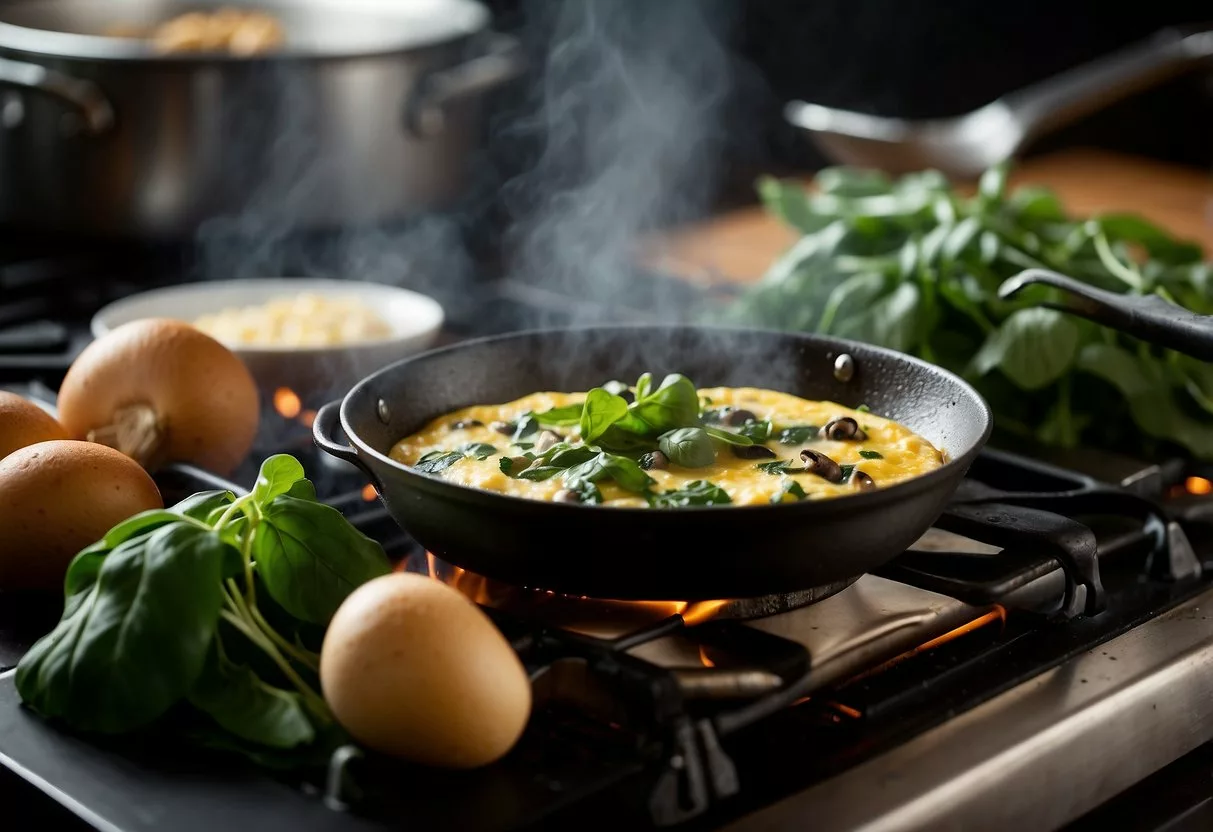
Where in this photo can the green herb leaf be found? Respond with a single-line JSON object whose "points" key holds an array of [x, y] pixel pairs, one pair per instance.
{"points": [[311, 558], [131, 644], [205, 506], [776, 466], [643, 386], [789, 488], [566, 416], [524, 427], [628, 474], [539, 473], [697, 493], [602, 409], [1033, 348], [480, 450], [757, 431], [871, 454], [797, 434], [277, 475], [688, 447], [847, 470], [728, 437], [675, 404], [586, 491], [241, 703], [436, 462]]}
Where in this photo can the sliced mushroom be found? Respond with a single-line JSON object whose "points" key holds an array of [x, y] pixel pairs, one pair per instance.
{"points": [[815, 462], [545, 440], [862, 481], [752, 452], [464, 424], [845, 429], [737, 418]]}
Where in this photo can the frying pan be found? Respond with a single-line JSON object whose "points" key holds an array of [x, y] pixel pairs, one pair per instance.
{"points": [[647, 554]]}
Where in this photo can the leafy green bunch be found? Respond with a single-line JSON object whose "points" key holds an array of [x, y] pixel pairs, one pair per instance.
{"points": [[618, 439], [213, 607], [914, 265]]}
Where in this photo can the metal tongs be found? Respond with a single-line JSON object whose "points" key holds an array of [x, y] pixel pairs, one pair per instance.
{"points": [[1147, 317], [964, 146]]}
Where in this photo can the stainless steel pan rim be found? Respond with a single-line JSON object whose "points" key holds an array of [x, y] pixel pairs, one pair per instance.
{"points": [[315, 28], [860, 499]]}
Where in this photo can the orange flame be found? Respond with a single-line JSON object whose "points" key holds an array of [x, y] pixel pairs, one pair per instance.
{"points": [[1198, 485], [703, 657], [307, 418], [287, 403], [369, 493], [997, 614]]}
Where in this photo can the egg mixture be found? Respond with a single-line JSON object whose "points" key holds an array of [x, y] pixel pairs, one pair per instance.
{"points": [[890, 453]]}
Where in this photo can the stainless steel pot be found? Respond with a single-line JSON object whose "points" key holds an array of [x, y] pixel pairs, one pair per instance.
{"points": [[369, 113]]}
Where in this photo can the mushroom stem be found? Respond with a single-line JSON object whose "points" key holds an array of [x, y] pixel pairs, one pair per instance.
{"points": [[136, 431]]}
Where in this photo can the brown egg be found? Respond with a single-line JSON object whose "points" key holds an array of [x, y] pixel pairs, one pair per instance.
{"points": [[24, 423], [57, 498], [412, 668]]}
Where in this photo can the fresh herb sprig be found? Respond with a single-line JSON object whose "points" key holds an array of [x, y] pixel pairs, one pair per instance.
{"points": [[172, 609], [914, 265]]}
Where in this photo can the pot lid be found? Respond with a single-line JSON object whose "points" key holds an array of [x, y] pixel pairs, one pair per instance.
{"points": [[312, 28]]}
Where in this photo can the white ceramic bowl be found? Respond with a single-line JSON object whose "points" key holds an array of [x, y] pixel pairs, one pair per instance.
{"points": [[312, 372]]}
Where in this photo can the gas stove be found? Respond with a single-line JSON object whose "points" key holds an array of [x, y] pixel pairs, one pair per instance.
{"points": [[1042, 650]]}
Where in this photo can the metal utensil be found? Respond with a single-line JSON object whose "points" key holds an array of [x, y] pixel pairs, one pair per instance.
{"points": [[964, 146], [1147, 317]]}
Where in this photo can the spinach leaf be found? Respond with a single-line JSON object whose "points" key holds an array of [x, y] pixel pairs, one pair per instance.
{"points": [[586, 491], [728, 437], [797, 434], [205, 506], [697, 493], [789, 488], [847, 470], [871, 454], [777, 466], [133, 642], [675, 404], [569, 455], [643, 385], [311, 558], [631, 442], [244, 705], [627, 473], [435, 462], [1033, 347], [480, 450], [539, 473], [525, 426], [566, 416], [758, 431], [688, 447], [277, 475], [602, 409]]}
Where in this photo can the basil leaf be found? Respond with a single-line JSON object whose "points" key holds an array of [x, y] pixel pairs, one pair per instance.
{"points": [[871, 454], [241, 703], [311, 558], [789, 488], [1033, 348], [697, 493], [277, 475], [437, 461], [586, 492], [480, 450], [757, 431], [729, 437], [628, 474], [602, 409], [134, 642], [643, 385], [524, 427], [205, 506], [675, 404], [797, 434], [566, 416], [778, 466], [688, 447]]}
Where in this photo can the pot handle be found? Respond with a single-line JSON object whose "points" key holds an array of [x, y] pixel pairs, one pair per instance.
{"points": [[85, 97], [1147, 317], [502, 60], [323, 431]]}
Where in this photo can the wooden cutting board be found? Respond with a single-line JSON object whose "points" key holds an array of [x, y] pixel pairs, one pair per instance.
{"points": [[739, 246]]}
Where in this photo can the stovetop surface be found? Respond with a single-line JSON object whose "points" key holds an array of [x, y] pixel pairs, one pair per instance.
{"points": [[718, 720]]}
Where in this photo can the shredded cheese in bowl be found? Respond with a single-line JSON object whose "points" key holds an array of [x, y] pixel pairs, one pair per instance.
{"points": [[304, 320]]}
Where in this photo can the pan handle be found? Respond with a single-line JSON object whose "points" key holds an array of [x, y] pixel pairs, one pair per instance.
{"points": [[503, 60], [1147, 317], [90, 103], [323, 431]]}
